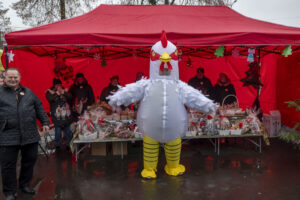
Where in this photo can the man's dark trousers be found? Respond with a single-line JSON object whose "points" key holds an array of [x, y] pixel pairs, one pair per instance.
{"points": [[9, 157]]}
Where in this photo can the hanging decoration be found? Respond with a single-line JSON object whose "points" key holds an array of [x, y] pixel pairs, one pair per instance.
{"points": [[251, 52], [180, 53], [134, 54], [235, 52], [61, 70], [287, 51], [252, 76], [189, 62], [97, 56], [220, 51], [103, 63]]}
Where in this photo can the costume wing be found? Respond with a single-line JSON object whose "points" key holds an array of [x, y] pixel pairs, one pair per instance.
{"points": [[194, 99], [131, 93]]}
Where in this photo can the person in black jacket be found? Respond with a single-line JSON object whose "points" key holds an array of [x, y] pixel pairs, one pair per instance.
{"points": [[19, 108], [59, 99], [223, 88], [112, 87], [202, 83], [82, 95]]}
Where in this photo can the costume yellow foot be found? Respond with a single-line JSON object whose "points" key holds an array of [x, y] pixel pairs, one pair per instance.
{"points": [[151, 150], [179, 170], [172, 151], [148, 173]]}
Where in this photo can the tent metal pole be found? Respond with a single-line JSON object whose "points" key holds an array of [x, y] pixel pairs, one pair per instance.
{"points": [[6, 57], [258, 108]]}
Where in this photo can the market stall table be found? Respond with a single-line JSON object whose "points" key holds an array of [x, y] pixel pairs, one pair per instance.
{"points": [[214, 139]]}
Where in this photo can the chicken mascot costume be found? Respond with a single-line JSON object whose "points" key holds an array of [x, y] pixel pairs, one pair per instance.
{"points": [[162, 117]]}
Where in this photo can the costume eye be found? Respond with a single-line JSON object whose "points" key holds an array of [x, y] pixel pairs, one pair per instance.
{"points": [[176, 52], [154, 56], [153, 53]]}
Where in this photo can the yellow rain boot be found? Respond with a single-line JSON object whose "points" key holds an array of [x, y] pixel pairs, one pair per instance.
{"points": [[150, 150], [172, 151]]}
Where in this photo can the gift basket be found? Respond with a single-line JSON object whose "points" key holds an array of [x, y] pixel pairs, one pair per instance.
{"points": [[100, 121], [87, 128], [232, 110], [223, 125]]}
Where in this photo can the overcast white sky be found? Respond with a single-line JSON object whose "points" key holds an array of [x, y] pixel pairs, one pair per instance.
{"points": [[284, 12]]}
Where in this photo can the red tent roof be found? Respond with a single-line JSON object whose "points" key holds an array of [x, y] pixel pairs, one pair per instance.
{"points": [[142, 25]]}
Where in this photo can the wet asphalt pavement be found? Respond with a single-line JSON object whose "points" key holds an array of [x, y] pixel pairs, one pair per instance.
{"points": [[239, 173]]}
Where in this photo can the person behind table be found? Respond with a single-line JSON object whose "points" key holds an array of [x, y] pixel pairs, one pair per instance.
{"points": [[139, 76], [202, 83], [81, 92], [19, 109], [223, 88], [135, 106], [59, 98], [113, 86]]}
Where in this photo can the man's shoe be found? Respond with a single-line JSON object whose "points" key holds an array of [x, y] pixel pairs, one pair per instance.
{"points": [[27, 190], [10, 197]]}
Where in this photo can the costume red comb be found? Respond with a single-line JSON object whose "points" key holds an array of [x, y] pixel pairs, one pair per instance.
{"points": [[163, 39]]}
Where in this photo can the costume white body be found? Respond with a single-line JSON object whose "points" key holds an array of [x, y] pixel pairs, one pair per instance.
{"points": [[162, 116]]}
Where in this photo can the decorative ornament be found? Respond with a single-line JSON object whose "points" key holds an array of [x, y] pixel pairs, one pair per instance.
{"points": [[134, 55], [287, 51], [235, 52], [252, 76], [189, 62], [61, 70], [97, 56], [103, 63], [10, 56], [251, 52], [220, 51], [180, 53]]}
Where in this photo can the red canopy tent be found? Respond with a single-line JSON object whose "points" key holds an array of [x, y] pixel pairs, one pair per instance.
{"points": [[112, 32]]}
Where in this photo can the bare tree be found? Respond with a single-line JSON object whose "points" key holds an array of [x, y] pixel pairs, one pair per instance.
{"points": [[178, 2], [4, 23], [38, 12], [4, 20]]}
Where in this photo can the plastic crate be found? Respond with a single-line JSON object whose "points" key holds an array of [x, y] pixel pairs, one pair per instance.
{"points": [[272, 123]]}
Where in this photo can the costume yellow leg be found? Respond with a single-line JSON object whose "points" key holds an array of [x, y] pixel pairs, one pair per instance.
{"points": [[151, 150], [172, 151]]}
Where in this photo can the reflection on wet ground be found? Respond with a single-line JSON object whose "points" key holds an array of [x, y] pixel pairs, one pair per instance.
{"points": [[238, 173]]}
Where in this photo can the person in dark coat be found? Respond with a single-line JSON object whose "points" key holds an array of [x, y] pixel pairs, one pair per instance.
{"points": [[82, 95], [19, 108], [202, 83], [223, 88], [59, 99], [139, 76], [112, 87]]}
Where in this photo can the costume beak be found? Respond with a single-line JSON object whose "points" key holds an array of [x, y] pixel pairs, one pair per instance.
{"points": [[165, 57]]}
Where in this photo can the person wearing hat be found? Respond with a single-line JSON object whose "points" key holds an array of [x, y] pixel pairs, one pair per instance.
{"points": [[223, 88], [112, 87], [59, 99], [202, 83], [82, 95]]}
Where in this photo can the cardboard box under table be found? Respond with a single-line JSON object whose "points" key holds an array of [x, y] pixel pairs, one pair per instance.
{"points": [[99, 146]]}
